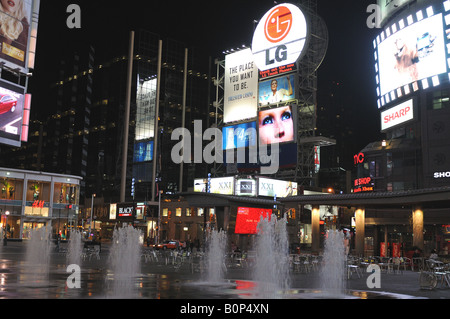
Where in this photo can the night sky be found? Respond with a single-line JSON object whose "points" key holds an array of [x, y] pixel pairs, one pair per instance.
{"points": [[213, 27]]}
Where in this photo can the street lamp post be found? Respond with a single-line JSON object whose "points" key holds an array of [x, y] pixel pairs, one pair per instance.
{"points": [[92, 209], [159, 217], [5, 238]]}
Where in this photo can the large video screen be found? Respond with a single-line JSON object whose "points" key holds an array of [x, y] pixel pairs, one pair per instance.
{"points": [[277, 90], [276, 125], [412, 54], [239, 135], [15, 21], [247, 219], [143, 151], [12, 100]]}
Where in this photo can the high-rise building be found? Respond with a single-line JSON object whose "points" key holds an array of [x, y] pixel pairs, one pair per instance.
{"points": [[78, 127]]}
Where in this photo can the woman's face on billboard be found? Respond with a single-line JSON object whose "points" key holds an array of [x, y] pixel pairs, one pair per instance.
{"points": [[276, 125], [10, 6]]}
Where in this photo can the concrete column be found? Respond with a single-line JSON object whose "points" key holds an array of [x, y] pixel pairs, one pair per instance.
{"points": [[315, 229], [418, 226], [360, 220]]}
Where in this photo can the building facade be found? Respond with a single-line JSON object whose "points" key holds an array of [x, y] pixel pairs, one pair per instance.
{"points": [[413, 91], [31, 199]]}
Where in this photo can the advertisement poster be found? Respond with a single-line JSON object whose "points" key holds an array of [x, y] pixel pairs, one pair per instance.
{"points": [[15, 21], [247, 219], [143, 152], [412, 54], [240, 135], [277, 90], [241, 87], [12, 100], [276, 125]]}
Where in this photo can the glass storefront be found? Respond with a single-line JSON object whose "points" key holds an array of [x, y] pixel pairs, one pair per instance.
{"points": [[31, 200]]}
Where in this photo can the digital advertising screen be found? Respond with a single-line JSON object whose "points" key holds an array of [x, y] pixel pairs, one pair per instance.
{"points": [[15, 22], [274, 187], [276, 125], [239, 135], [247, 219], [246, 187], [143, 151], [12, 100], [276, 90], [412, 54]]}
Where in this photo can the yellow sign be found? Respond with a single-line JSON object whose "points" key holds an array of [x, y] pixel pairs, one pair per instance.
{"points": [[13, 52]]}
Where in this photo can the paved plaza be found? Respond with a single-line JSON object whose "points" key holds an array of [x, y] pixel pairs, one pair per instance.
{"points": [[167, 280]]}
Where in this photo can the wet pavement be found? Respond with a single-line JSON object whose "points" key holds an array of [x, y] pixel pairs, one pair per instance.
{"points": [[158, 280]]}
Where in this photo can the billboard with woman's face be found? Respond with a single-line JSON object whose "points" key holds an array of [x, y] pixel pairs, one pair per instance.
{"points": [[15, 20], [276, 125]]}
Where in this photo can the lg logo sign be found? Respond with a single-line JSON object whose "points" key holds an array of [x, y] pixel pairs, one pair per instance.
{"points": [[280, 37]]}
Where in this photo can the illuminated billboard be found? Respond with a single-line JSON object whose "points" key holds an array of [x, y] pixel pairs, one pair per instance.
{"points": [[245, 187], [279, 188], [145, 109], [217, 185], [143, 152], [280, 37], [240, 87], [247, 219], [276, 90], [397, 115], [276, 125], [411, 54], [15, 22], [388, 8], [12, 100], [240, 135]]}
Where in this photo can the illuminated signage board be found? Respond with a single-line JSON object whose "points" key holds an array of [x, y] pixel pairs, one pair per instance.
{"points": [[247, 219], [222, 185], [15, 17], [280, 37], [12, 101], [276, 125], [276, 90], [364, 184], [124, 210], [245, 187], [397, 115], [145, 109], [143, 152], [217, 185], [411, 54], [278, 70], [358, 158], [112, 211], [240, 135], [388, 7], [274, 187], [240, 87]]}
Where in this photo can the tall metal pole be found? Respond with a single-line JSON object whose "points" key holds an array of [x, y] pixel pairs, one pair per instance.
{"points": [[183, 115], [155, 139], [126, 122]]}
